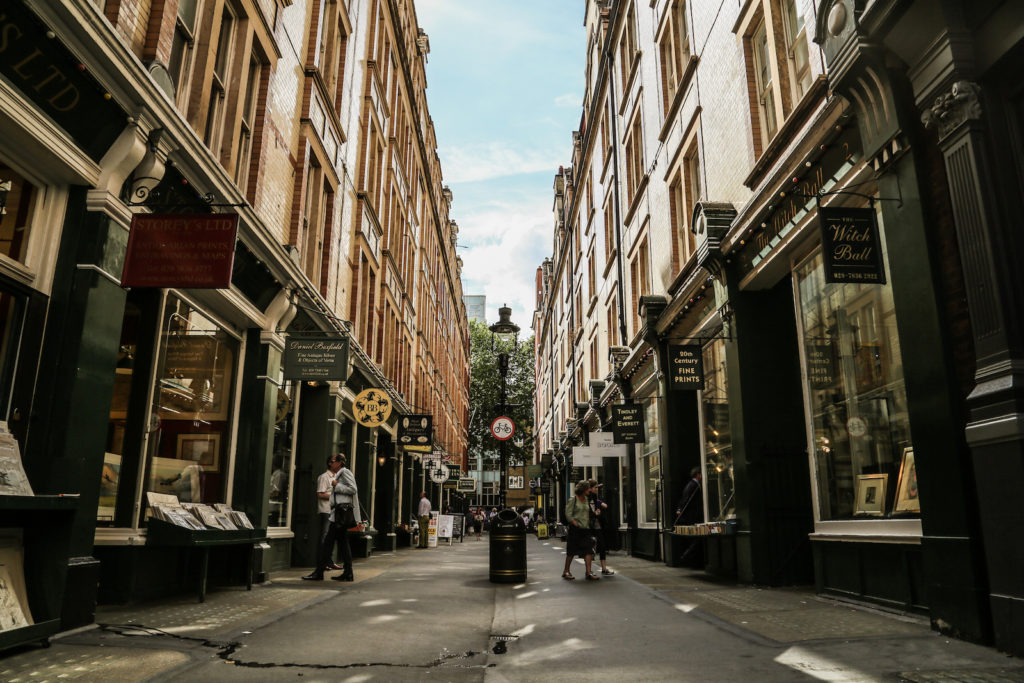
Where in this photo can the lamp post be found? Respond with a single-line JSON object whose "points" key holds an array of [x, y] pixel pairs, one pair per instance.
{"points": [[505, 330]]}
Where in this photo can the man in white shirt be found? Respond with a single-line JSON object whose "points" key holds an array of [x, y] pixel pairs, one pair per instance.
{"points": [[423, 515], [324, 486]]}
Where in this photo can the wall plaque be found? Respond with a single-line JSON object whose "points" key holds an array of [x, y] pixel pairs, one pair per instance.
{"points": [[851, 246], [316, 358], [686, 367], [187, 251], [628, 423]]}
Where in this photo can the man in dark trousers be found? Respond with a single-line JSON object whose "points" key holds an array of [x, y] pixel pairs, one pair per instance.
{"points": [[690, 510], [324, 486]]}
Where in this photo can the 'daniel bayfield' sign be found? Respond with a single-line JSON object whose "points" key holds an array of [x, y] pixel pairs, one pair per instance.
{"points": [[628, 423], [686, 367], [184, 251], [310, 358], [851, 246]]}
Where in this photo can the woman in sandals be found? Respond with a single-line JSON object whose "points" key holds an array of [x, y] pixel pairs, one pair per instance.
{"points": [[580, 542]]}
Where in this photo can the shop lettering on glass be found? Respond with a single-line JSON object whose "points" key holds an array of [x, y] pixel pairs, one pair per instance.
{"points": [[188, 251], [850, 246], [316, 359], [686, 367], [43, 70], [628, 423], [820, 366]]}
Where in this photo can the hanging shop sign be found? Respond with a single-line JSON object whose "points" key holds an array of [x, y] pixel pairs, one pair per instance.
{"points": [[502, 428], [416, 430], [604, 446], [317, 358], [185, 251], [36, 62], [851, 246], [534, 471], [466, 485], [628, 423], [585, 456], [439, 473], [372, 408], [821, 366], [515, 481], [686, 367]]}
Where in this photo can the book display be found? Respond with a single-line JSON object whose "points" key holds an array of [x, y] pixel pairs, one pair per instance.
{"points": [[196, 516], [13, 481]]}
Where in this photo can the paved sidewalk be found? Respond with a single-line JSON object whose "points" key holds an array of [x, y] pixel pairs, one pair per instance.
{"points": [[432, 615]]}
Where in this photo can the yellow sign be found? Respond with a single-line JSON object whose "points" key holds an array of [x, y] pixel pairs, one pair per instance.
{"points": [[372, 407], [419, 449]]}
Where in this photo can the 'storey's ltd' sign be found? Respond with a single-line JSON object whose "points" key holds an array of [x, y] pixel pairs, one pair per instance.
{"points": [[308, 358], [185, 251], [686, 367], [628, 423], [851, 246]]}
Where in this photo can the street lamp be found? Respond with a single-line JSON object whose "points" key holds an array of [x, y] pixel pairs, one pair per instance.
{"points": [[506, 331]]}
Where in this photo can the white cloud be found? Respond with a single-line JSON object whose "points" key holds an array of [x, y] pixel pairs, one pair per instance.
{"points": [[570, 99], [494, 160], [506, 244]]}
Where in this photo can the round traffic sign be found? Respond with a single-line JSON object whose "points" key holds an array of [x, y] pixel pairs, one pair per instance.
{"points": [[503, 428]]}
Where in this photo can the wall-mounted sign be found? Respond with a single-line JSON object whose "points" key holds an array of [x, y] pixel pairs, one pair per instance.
{"points": [[308, 358], [372, 408], [821, 366], [851, 246], [503, 428], [36, 62], [187, 251], [628, 423], [416, 430], [467, 485], [515, 481], [686, 367]]}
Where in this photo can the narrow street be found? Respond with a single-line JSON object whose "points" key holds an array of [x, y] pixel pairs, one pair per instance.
{"points": [[433, 615]]}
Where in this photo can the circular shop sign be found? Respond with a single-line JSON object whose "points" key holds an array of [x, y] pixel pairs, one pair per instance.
{"points": [[857, 427], [503, 428], [439, 473], [371, 407]]}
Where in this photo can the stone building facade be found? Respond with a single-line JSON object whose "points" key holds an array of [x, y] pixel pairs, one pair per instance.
{"points": [[309, 120], [780, 233]]}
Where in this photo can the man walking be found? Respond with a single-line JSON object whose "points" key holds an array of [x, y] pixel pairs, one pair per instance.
{"points": [[423, 516], [324, 486]]}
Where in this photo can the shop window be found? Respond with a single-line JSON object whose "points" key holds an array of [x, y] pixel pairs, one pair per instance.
{"points": [[716, 435], [188, 443], [860, 429], [18, 199], [674, 51], [283, 462], [648, 466]]}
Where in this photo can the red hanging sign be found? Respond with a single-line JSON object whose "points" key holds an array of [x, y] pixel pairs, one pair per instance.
{"points": [[185, 251]]}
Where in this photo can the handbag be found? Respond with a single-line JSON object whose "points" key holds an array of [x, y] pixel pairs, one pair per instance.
{"points": [[344, 517]]}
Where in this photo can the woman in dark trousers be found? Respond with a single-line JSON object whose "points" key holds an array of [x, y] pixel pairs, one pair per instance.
{"points": [[580, 541], [598, 520]]}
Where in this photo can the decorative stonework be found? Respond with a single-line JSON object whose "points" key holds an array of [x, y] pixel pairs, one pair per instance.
{"points": [[954, 108]]}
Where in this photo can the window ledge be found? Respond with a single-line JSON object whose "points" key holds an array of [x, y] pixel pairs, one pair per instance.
{"points": [[677, 99], [633, 69], [280, 532], [119, 536], [637, 197], [869, 531]]}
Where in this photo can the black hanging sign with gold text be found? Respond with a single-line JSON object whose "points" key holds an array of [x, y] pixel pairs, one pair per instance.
{"points": [[851, 246], [686, 367]]}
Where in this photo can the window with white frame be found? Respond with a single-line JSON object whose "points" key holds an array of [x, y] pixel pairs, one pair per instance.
{"points": [[767, 120], [796, 48], [673, 51]]}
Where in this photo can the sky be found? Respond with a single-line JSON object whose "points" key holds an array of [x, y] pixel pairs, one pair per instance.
{"points": [[505, 84]]}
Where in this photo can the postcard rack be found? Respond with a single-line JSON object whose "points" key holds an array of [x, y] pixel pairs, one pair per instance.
{"points": [[165, 534]]}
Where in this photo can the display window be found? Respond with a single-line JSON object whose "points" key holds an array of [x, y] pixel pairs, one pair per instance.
{"points": [[863, 457], [12, 315], [18, 197], [283, 460], [648, 465], [716, 436]]}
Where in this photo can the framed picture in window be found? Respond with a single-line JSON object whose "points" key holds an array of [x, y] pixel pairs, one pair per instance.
{"points": [[870, 494], [202, 449], [906, 486]]}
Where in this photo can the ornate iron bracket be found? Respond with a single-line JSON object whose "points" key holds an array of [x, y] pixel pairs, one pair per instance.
{"points": [[143, 192]]}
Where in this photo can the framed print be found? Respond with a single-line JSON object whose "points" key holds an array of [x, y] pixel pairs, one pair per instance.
{"points": [[906, 486], [870, 494], [202, 449]]}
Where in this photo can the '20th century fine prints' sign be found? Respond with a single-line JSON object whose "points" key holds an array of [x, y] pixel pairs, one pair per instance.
{"points": [[686, 367], [851, 246], [628, 423], [316, 358]]}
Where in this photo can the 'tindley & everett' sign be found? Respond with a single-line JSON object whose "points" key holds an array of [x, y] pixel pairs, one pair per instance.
{"points": [[628, 423]]}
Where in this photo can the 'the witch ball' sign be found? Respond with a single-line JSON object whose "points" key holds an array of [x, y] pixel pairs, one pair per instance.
{"points": [[851, 246]]}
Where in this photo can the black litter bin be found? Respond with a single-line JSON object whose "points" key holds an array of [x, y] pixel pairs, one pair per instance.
{"points": [[508, 548]]}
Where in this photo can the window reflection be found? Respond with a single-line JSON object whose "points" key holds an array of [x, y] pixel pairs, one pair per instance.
{"points": [[650, 463], [717, 435], [282, 459]]}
